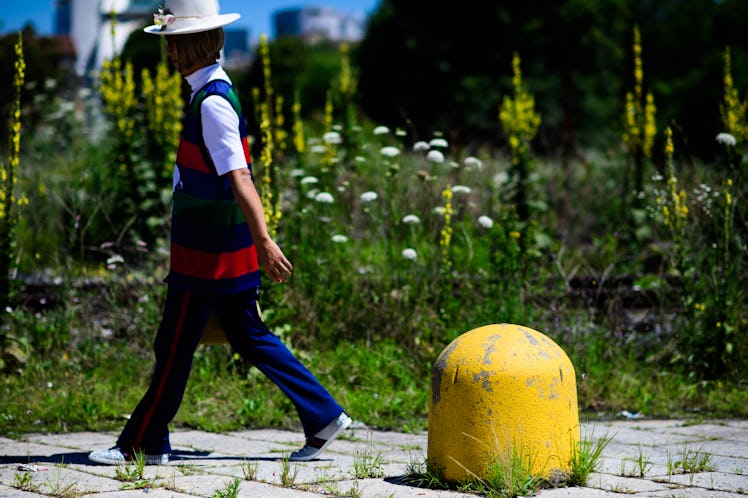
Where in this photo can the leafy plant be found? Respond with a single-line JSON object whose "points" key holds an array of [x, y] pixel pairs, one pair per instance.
{"points": [[229, 491], [24, 481]]}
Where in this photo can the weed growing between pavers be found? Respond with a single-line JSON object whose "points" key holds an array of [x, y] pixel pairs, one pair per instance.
{"points": [[366, 463], [229, 491], [510, 473]]}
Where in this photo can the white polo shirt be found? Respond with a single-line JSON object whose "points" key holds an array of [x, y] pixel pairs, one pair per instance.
{"points": [[220, 123]]}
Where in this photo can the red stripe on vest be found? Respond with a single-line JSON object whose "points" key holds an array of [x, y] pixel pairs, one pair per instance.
{"points": [[189, 156], [247, 155], [211, 265]]}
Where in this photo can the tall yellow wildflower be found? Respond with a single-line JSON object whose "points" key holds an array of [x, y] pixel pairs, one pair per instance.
{"points": [[268, 127], [298, 126], [640, 127], [163, 115], [327, 161], [8, 173], [520, 122], [674, 209], [517, 114], [117, 88], [270, 208], [347, 82], [733, 111], [8, 204], [446, 232], [281, 135]]}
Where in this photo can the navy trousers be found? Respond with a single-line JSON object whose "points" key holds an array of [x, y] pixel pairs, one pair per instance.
{"points": [[185, 316]]}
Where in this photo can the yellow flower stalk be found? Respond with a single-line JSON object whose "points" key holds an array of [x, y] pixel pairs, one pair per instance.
{"points": [[446, 232], [117, 88], [272, 214], [298, 126], [163, 98], [732, 110], [269, 128], [347, 83], [727, 217], [8, 173], [331, 150], [266, 71], [517, 113], [520, 122], [9, 206], [640, 127], [280, 132], [675, 210], [328, 118]]}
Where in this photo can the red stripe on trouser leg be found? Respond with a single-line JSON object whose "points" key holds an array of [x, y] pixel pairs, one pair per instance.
{"points": [[165, 374]]}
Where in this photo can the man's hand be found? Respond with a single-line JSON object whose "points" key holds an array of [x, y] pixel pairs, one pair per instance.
{"points": [[273, 261], [269, 255]]}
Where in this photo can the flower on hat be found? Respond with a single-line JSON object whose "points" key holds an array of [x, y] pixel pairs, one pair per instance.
{"points": [[163, 18]]}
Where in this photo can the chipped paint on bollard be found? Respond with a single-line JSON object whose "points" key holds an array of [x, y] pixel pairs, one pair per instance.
{"points": [[498, 389]]}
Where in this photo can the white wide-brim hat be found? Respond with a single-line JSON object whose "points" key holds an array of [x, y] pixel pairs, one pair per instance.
{"points": [[181, 17]]}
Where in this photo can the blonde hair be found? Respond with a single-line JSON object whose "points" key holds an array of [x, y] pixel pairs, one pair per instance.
{"points": [[195, 48]]}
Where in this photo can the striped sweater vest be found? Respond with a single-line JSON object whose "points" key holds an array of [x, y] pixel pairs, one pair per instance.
{"points": [[211, 247]]}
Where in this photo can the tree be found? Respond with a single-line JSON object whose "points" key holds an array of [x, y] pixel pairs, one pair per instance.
{"points": [[442, 68], [43, 74]]}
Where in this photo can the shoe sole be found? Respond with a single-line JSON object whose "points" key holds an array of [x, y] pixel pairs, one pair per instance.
{"points": [[149, 460], [329, 441]]}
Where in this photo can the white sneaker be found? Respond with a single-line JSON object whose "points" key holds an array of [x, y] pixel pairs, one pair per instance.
{"points": [[115, 456], [317, 444]]}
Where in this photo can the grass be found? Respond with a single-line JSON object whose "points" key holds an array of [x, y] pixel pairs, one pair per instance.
{"points": [[76, 341], [288, 471], [510, 473], [71, 384], [586, 458], [366, 463], [132, 474], [689, 461]]}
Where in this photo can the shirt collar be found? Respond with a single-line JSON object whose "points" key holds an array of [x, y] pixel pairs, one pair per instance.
{"points": [[199, 78]]}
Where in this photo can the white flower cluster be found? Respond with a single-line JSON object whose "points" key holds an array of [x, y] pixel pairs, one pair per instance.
{"points": [[410, 254], [390, 151], [324, 198], [726, 139]]}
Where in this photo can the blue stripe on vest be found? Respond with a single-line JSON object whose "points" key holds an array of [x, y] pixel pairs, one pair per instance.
{"points": [[205, 186], [223, 286], [210, 239], [191, 131]]}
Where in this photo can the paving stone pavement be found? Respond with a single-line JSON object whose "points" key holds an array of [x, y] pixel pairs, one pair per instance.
{"points": [[206, 464]]}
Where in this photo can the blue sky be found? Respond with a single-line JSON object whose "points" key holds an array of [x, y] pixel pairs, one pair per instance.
{"points": [[256, 14]]}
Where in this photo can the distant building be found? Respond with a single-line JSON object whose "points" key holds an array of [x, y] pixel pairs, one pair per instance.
{"points": [[236, 51], [89, 26], [63, 17], [314, 24]]}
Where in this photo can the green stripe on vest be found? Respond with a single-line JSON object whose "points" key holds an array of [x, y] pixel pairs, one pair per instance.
{"points": [[207, 212], [231, 96]]}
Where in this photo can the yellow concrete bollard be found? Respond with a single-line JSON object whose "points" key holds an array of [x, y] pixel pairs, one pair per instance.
{"points": [[500, 390]]}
